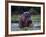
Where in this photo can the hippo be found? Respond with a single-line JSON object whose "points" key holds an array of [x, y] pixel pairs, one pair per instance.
{"points": [[25, 20]]}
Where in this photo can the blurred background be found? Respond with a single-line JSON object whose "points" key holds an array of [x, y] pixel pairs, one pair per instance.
{"points": [[16, 12]]}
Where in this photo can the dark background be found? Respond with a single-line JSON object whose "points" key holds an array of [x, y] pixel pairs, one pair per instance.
{"points": [[21, 9]]}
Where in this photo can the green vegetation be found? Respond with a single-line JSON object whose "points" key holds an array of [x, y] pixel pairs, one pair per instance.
{"points": [[15, 18], [34, 18]]}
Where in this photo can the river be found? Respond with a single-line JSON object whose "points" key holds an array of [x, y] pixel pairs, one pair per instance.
{"points": [[15, 26]]}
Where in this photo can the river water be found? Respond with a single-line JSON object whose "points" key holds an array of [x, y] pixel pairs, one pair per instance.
{"points": [[15, 26]]}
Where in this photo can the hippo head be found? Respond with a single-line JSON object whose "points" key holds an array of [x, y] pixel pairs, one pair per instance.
{"points": [[25, 21]]}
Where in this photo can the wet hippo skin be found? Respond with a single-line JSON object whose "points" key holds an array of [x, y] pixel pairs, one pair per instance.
{"points": [[25, 21]]}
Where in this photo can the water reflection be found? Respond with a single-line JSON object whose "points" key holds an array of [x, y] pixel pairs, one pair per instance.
{"points": [[35, 26]]}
